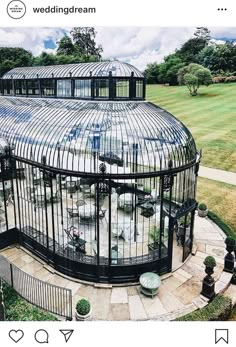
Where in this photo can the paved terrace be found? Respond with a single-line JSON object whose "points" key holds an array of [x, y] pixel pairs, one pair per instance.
{"points": [[179, 293]]}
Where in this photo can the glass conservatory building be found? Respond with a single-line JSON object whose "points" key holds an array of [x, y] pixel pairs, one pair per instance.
{"points": [[94, 180]]}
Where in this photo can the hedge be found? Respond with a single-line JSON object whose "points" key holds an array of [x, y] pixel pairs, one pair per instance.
{"points": [[18, 309], [226, 229], [219, 309]]}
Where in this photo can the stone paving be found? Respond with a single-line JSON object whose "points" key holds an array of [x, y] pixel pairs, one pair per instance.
{"points": [[179, 293]]}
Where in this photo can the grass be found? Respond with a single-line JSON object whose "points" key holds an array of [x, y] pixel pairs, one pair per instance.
{"points": [[219, 309], [220, 199], [210, 116], [18, 309], [233, 314]]}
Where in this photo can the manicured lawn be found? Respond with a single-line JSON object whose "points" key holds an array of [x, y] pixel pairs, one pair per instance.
{"points": [[18, 309], [220, 198], [210, 116]]}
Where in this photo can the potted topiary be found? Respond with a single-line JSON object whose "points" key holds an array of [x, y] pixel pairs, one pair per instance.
{"points": [[154, 235], [83, 310], [230, 243], [210, 263], [202, 210], [208, 284], [229, 257]]}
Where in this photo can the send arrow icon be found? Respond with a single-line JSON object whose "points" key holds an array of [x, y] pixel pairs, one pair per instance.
{"points": [[67, 333]]}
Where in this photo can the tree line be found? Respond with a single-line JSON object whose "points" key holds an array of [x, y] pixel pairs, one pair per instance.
{"points": [[79, 46], [219, 59]]}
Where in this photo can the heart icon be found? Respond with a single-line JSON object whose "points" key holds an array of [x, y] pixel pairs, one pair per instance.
{"points": [[16, 335]]}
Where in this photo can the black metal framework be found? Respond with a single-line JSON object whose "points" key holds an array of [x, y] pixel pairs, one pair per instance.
{"points": [[113, 81], [98, 189], [47, 296]]}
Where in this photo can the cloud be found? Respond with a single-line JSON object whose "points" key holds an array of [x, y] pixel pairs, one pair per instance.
{"points": [[136, 45], [31, 39]]}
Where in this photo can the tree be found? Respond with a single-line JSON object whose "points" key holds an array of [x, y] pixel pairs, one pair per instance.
{"points": [[219, 58], [203, 33], [151, 73], [193, 76], [65, 46], [84, 42], [168, 70], [11, 57], [189, 52], [45, 59]]}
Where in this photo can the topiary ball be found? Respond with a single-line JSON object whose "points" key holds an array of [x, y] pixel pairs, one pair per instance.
{"points": [[209, 261], [83, 307]]}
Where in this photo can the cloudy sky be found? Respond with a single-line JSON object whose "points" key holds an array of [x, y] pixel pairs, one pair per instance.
{"points": [[136, 45]]}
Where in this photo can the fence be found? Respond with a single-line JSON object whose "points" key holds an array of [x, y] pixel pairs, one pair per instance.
{"points": [[47, 296]]}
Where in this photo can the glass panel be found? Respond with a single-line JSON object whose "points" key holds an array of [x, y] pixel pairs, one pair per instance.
{"points": [[82, 88], [139, 89], [7, 87], [64, 88], [20, 87], [33, 87], [101, 88], [122, 88], [48, 87]]}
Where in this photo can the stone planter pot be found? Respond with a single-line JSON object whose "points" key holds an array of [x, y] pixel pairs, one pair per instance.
{"points": [[208, 284], [81, 318], [202, 213]]}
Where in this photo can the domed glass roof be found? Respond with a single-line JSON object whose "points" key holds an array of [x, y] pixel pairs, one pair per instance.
{"points": [[129, 137], [99, 69]]}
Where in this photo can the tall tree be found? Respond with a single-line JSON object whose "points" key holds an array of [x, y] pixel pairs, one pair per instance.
{"points": [[84, 41], [189, 52], [65, 46], [203, 33]]}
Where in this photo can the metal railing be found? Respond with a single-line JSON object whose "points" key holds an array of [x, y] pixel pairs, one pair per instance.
{"points": [[47, 296]]}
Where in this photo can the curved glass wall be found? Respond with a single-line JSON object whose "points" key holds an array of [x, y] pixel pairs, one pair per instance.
{"points": [[102, 189], [33, 88], [101, 88], [48, 87], [82, 89], [64, 88], [122, 88], [139, 89]]}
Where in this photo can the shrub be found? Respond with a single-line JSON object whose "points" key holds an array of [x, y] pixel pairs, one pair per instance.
{"points": [[202, 207], [83, 307], [230, 79], [154, 234], [219, 309], [221, 224], [218, 79], [230, 241], [209, 261], [18, 309]]}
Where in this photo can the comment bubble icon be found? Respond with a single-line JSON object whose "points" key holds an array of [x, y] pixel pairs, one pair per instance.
{"points": [[41, 336]]}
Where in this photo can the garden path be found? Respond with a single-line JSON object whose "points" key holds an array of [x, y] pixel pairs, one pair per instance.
{"points": [[218, 175]]}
